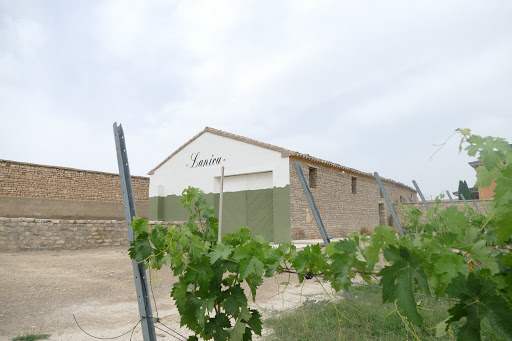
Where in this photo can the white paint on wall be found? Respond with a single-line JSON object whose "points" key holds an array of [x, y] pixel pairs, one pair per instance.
{"points": [[245, 182], [199, 165]]}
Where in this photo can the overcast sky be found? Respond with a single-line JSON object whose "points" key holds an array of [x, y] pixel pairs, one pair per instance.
{"points": [[369, 85]]}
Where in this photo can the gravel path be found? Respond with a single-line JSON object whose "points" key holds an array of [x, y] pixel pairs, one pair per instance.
{"points": [[41, 290]]}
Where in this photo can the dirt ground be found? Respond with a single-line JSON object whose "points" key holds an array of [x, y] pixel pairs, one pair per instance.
{"points": [[40, 291]]}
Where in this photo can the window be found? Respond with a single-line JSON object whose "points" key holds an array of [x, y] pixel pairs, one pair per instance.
{"points": [[381, 193], [313, 177], [354, 185]]}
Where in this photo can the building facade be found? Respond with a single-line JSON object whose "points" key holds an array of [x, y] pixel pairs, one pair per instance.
{"points": [[262, 189]]}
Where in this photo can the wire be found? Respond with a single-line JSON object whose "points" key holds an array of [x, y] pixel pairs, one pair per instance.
{"points": [[157, 319], [153, 294], [181, 337], [106, 338], [310, 275], [175, 332]]}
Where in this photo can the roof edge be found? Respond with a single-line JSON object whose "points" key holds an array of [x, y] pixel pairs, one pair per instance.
{"points": [[284, 152]]}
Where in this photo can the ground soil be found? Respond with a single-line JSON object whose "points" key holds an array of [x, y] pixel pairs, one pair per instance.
{"points": [[40, 291]]}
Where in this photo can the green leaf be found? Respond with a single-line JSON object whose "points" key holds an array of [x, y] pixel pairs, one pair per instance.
{"points": [[454, 219], [398, 281], [139, 225], [343, 256], [250, 266], [221, 251], [216, 327], [235, 299], [240, 328], [478, 300], [441, 328], [492, 150], [311, 259], [255, 321], [482, 254], [506, 260], [382, 236], [254, 282], [140, 250], [237, 333], [446, 268]]}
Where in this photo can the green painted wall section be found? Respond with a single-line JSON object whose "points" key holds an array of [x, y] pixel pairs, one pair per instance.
{"points": [[265, 211], [282, 221]]}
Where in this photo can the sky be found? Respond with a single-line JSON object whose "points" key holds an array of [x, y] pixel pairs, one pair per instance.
{"points": [[368, 85]]}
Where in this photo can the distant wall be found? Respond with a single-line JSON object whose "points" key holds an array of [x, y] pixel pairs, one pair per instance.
{"points": [[482, 205], [22, 234], [38, 191]]}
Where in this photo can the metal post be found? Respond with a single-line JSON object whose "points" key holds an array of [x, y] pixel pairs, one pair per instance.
{"points": [[139, 272], [449, 196], [476, 206], [316, 214], [388, 202], [421, 195], [462, 196], [221, 199], [312, 204]]}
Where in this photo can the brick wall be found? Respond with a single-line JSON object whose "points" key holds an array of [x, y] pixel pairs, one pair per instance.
{"points": [[342, 211], [22, 234], [18, 179]]}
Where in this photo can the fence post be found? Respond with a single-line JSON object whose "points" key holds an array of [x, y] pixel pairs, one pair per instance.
{"points": [[221, 203], [312, 203], [476, 206], [139, 272], [449, 196], [421, 195], [388, 202]]}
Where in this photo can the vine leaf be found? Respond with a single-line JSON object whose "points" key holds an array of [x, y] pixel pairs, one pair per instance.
{"points": [[478, 300], [250, 265], [492, 150], [216, 327], [235, 299], [238, 331], [398, 281], [140, 250], [255, 321], [221, 251], [342, 254]]}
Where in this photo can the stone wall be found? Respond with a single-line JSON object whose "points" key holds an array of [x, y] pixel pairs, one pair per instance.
{"points": [[342, 211], [461, 205], [38, 181], [22, 234], [37, 191]]}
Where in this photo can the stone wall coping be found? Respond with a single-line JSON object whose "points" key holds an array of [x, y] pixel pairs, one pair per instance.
{"points": [[69, 168], [75, 221]]}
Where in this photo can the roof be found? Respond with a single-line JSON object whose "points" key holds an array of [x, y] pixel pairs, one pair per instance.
{"points": [[283, 151]]}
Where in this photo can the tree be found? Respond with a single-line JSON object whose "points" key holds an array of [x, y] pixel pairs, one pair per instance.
{"points": [[464, 190]]}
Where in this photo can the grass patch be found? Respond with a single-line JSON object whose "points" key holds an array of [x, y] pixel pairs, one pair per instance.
{"points": [[371, 320], [31, 337]]}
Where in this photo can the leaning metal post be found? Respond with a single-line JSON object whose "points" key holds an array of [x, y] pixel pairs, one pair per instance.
{"points": [[316, 214], [462, 196], [421, 195], [476, 206], [449, 196], [312, 203], [388, 202], [139, 272]]}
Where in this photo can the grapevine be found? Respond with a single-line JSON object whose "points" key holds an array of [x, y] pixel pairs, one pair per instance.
{"points": [[461, 255]]}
